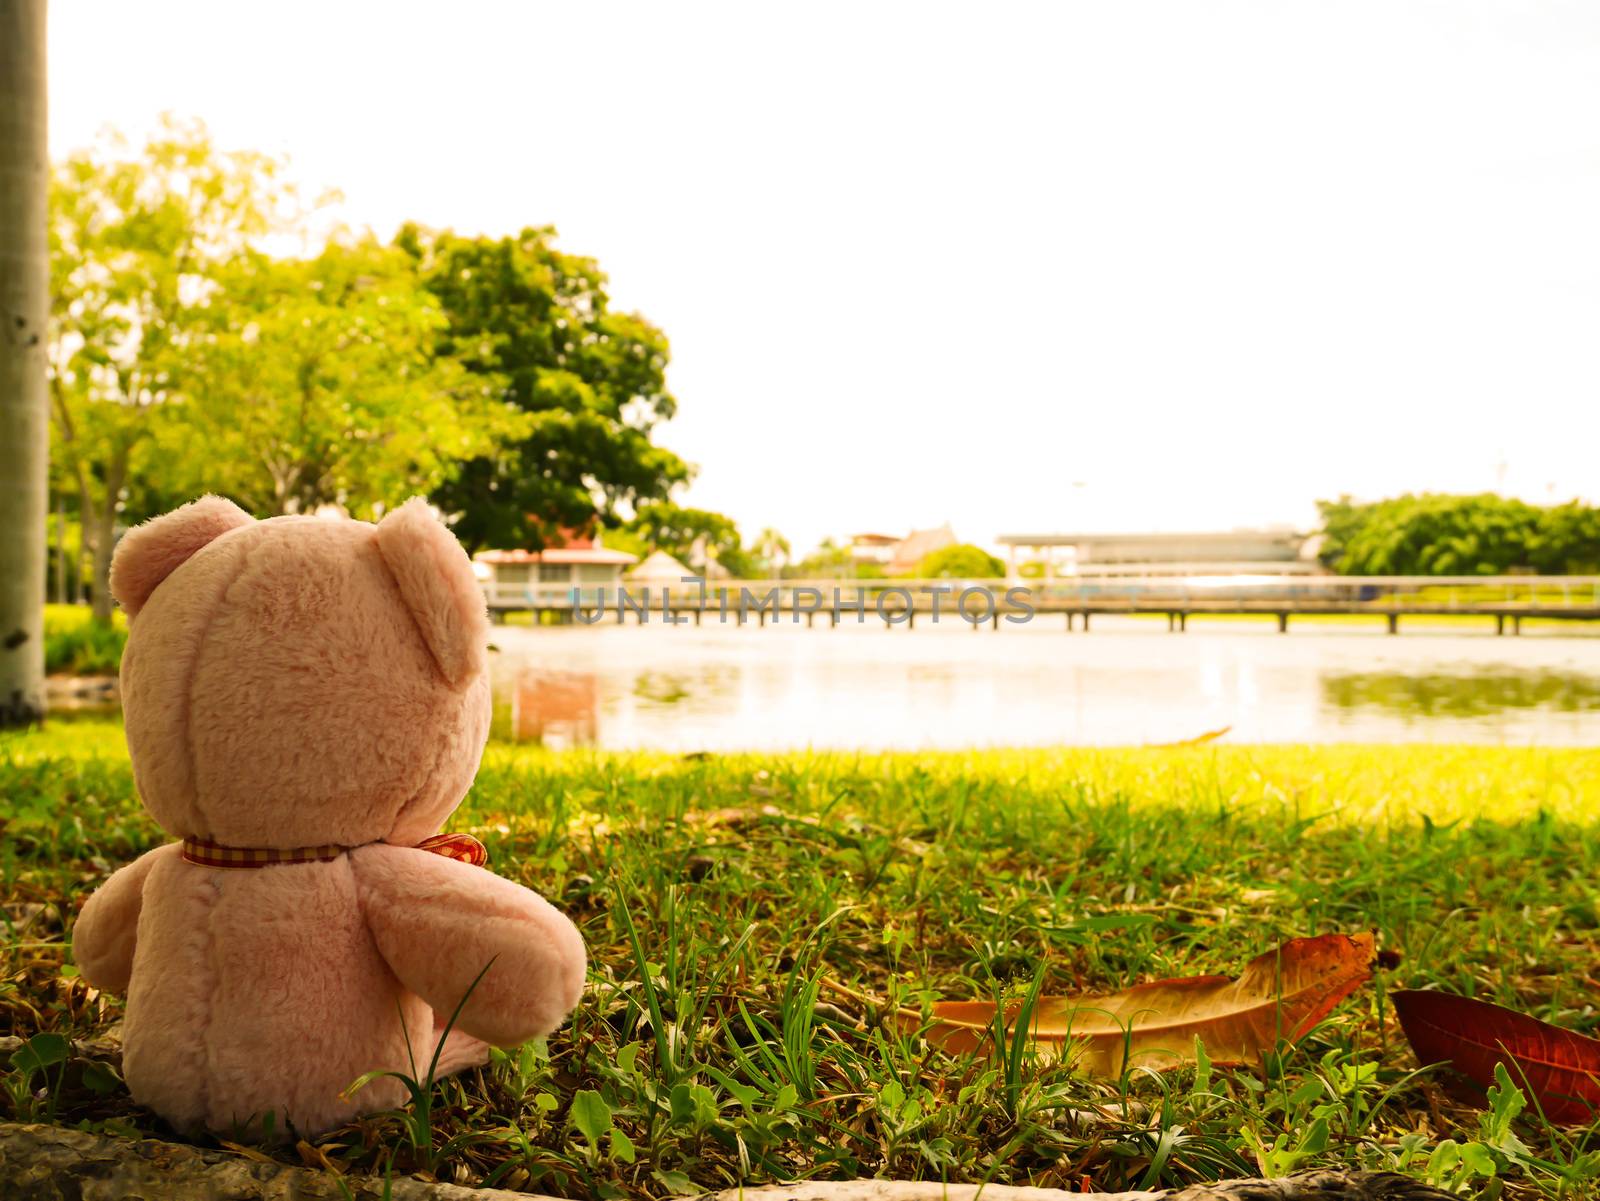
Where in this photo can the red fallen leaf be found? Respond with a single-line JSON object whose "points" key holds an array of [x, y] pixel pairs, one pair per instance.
{"points": [[1561, 1068], [1281, 994]]}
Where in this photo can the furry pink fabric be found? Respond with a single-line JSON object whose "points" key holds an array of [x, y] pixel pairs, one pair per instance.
{"points": [[287, 683], [414, 903], [150, 553], [425, 561]]}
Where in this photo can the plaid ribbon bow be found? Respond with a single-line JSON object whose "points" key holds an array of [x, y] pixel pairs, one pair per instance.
{"points": [[461, 847]]}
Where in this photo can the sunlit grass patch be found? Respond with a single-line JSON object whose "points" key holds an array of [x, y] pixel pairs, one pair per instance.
{"points": [[719, 893]]}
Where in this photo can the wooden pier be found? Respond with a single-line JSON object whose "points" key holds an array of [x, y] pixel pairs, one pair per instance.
{"points": [[1073, 602]]}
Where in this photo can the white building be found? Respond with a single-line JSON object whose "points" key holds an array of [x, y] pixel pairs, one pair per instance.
{"points": [[659, 568], [916, 546], [581, 563], [1277, 550]]}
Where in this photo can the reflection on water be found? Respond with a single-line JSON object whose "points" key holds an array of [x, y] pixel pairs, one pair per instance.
{"points": [[664, 688], [730, 688], [1464, 694], [557, 708]]}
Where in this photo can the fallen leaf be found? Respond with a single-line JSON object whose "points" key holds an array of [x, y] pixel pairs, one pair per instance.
{"points": [[253, 1153], [1560, 1068], [315, 1157], [731, 816], [1279, 995], [1197, 740]]}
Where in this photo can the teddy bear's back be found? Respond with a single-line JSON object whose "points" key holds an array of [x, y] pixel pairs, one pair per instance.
{"points": [[278, 693], [258, 990]]}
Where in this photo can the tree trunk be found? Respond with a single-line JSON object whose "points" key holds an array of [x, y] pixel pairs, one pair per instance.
{"points": [[105, 535], [61, 551], [24, 312], [100, 528]]}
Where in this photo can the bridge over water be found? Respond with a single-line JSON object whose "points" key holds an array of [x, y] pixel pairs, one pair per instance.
{"points": [[1074, 600]]}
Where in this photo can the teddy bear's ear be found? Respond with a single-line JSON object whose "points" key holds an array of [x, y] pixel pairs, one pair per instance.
{"points": [[436, 581], [149, 553]]}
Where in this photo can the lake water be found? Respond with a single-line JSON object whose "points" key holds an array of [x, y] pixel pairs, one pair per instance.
{"points": [[726, 687]]}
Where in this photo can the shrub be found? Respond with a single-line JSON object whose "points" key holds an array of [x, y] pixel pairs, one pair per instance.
{"points": [[74, 643], [961, 562]]}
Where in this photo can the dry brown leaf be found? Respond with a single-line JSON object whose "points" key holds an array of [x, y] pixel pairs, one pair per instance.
{"points": [[251, 1153], [1560, 1068], [733, 815], [315, 1157], [1279, 995], [1197, 740]]}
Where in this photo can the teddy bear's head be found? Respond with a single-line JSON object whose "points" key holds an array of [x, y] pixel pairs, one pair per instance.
{"points": [[301, 681]]}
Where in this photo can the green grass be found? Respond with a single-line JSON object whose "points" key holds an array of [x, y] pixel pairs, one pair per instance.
{"points": [[718, 894], [74, 644]]}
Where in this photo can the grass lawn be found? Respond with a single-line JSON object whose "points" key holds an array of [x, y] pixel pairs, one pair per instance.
{"points": [[717, 894]]}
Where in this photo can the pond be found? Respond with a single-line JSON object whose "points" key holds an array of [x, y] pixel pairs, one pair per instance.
{"points": [[727, 687]]}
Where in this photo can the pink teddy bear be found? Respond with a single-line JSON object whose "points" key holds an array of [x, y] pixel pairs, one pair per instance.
{"points": [[306, 704]]}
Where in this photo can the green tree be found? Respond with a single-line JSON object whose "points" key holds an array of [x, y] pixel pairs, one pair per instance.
{"points": [[1443, 534], [24, 302], [626, 541], [962, 561], [772, 550], [830, 561], [1568, 540], [135, 244], [318, 381], [538, 321], [739, 563], [687, 533]]}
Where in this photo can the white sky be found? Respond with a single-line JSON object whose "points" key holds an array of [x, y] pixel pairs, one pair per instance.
{"points": [[1020, 267]]}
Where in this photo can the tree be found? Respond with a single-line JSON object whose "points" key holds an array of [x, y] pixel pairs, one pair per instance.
{"points": [[687, 534], [962, 561], [772, 548], [1443, 534], [24, 304], [538, 321], [317, 381], [626, 541], [135, 243], [1568, 540], [832, 561]]}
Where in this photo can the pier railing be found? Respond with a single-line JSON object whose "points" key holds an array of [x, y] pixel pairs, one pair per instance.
{"points": [[1559, 596]]}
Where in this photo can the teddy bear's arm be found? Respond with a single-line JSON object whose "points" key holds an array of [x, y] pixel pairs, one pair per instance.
{"points": [[438, 923], [103, 937]]}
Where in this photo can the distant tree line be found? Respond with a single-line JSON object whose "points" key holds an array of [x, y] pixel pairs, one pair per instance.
{"points": [[1441, 534]]}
